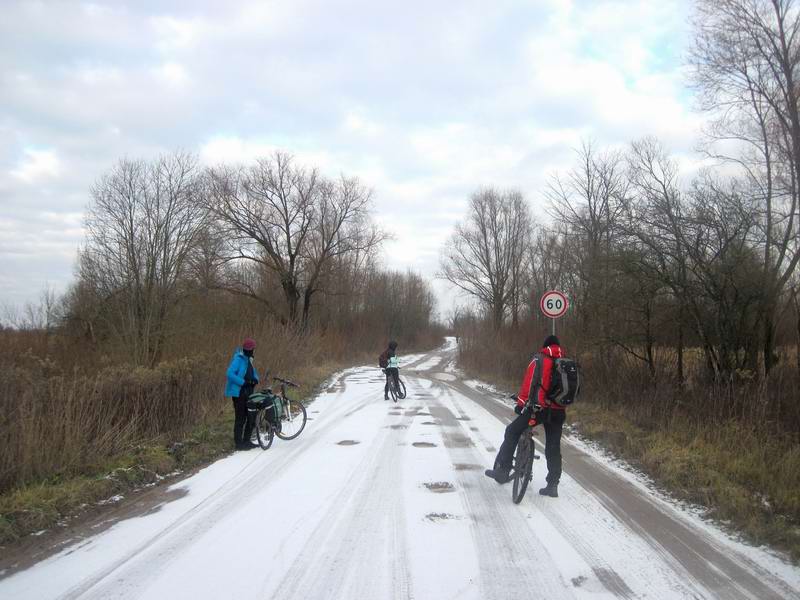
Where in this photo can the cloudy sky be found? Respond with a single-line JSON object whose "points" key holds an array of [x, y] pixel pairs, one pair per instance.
{"points": [[425, 101]]}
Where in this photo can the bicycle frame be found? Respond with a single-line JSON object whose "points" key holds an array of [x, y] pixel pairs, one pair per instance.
{"points": [[287, 402]]}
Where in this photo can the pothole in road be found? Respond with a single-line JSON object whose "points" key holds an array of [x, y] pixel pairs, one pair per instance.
{"points": [[424, 414], [466, 467], [398, 426], [439, 487], [473, 429], [440, 517], [428, 423], [457, 441], [578, 581], [423, 445], [347, 443], [463, 419]]}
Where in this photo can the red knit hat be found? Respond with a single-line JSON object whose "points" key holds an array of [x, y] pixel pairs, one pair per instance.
{"points": [[249, 344]]}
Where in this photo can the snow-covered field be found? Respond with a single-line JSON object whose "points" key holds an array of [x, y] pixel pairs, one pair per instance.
{"points": [[380, 500]]}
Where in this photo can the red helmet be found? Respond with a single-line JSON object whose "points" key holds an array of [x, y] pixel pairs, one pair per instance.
{"points": [[249, 344]]}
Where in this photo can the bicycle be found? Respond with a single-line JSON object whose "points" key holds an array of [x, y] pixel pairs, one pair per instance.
{"points": [[287, 419], [522, 464], [397, 389]]}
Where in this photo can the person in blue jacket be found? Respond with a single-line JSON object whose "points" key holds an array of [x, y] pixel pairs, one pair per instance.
{"points": [[242, 380]]}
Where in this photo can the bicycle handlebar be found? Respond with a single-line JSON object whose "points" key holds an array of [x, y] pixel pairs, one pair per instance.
{"points": [[286, 381]]}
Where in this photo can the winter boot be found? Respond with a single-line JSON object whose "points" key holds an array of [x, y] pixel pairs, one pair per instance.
{"points": [[499, 475], [551, 489]]}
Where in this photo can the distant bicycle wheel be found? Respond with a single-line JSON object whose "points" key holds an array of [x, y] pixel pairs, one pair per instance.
{"points": [[401, 389], [523, 466], [293, 423], [393, 392], [265, 433]]}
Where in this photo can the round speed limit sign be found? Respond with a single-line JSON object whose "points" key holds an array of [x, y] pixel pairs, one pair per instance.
{"points": [[553, 304]]}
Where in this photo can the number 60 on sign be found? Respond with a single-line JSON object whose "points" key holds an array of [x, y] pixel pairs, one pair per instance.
{"points": [[553, 304]]}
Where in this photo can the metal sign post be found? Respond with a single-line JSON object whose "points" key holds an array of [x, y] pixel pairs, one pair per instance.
{"points": [[553, 304]]}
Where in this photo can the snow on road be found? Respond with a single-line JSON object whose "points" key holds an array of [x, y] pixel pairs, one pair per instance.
{"points": [[381, 500]]}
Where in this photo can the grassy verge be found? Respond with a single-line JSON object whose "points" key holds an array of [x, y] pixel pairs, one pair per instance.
{"points": [[745, 483], [42, 505]]}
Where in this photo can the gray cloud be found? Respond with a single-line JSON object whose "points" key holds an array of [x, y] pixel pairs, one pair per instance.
{"points": [[424, 101]]}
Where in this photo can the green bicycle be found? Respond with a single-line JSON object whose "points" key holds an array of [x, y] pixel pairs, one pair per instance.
{"points": [[276, 414]]}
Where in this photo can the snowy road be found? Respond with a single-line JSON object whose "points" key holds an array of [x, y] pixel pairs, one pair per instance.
{"points": [[379, 500]]}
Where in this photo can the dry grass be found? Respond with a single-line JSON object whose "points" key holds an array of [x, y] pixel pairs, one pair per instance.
{"points": [[61, 425], [75, 429], [745, 479]]}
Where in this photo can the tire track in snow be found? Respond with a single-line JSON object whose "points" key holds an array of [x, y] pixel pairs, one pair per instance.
{"points": [[602, 570], [131, 573], [504, 543], [347, 552], [709, 568]]}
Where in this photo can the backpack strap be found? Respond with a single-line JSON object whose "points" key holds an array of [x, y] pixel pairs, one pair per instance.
{"points": [[552, 358], [536, 378]]}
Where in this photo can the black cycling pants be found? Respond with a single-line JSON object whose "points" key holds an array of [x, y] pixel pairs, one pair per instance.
{"points": [[553, 423], [242, 420]]}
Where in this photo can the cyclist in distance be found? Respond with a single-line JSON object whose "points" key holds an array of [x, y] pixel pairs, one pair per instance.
{"points": [[535, 386], [392, 367], [242, 379]]}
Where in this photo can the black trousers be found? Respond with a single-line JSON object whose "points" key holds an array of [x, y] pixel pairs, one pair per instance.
{"points": [[242, 420], [553, 423]]}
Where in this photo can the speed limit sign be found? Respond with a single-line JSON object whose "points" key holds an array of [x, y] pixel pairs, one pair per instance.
{"points": [[553, 304]]}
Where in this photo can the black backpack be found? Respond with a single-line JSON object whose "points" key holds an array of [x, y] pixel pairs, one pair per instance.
{"points": [[565, 381], [383, 359]]}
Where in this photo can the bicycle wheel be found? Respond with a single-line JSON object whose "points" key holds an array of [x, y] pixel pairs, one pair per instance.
{"points": [[393, 391], [401, 389], [265, 433], [293, 423], [523, 467]]}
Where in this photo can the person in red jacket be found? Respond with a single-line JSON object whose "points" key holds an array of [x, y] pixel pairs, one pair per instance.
{"points": [[550, 414]]}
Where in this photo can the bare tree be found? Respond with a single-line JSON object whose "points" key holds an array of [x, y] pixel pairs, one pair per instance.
{"points": [[141, 228], [290, 221], [746, 59], [795, 294], [484, 255], [33, 316], [342, 226], [588, 203], [654, 216]]}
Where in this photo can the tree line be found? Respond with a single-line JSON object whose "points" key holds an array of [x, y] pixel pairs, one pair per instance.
{"points": [[167, 234], [653, 262]]}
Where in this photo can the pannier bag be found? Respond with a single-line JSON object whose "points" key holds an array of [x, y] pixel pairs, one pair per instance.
{"points": [[258, 400], [261, 400]]}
